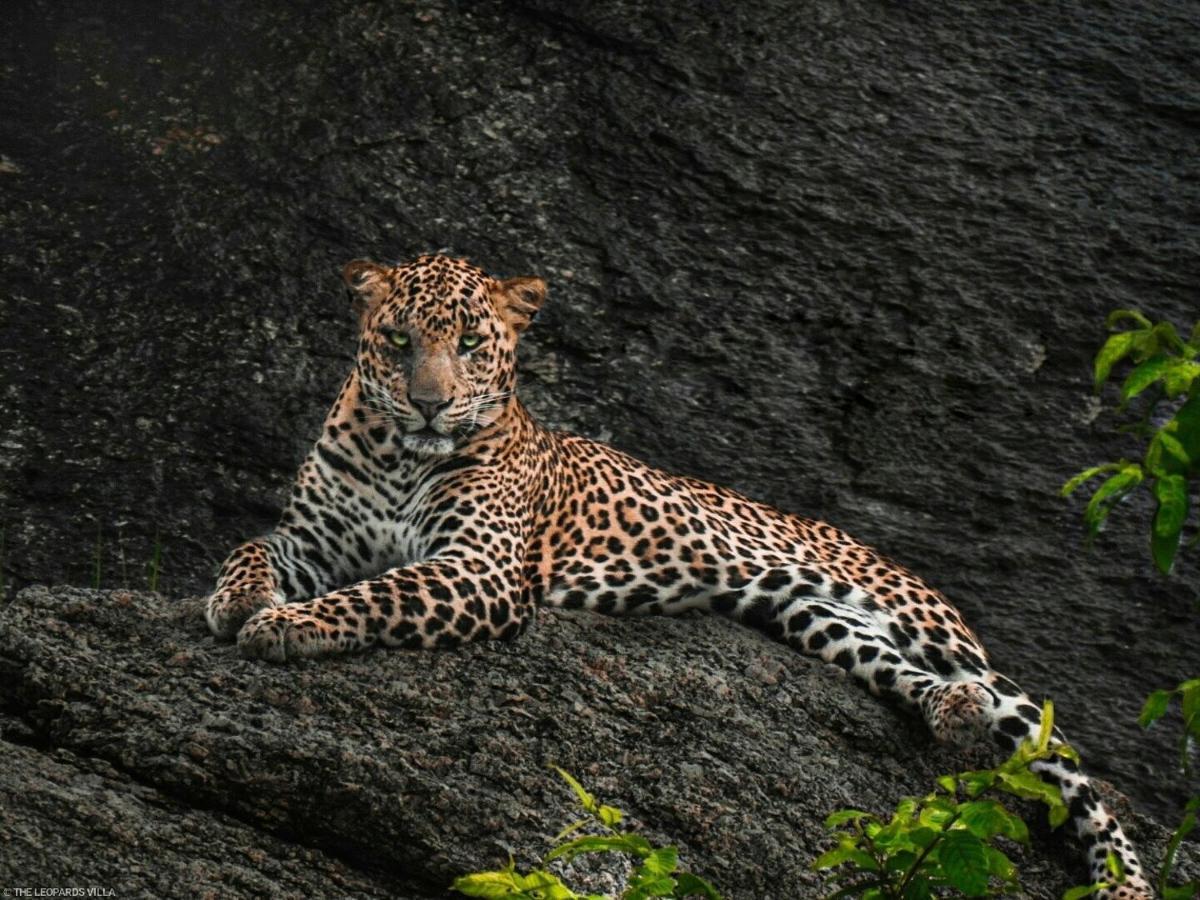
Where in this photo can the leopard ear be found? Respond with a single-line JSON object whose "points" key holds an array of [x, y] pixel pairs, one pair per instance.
{"points": [[519, 299], [369, 282]]}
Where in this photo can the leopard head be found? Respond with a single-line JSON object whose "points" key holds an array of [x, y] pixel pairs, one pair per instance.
{"points": [[437, 349]]}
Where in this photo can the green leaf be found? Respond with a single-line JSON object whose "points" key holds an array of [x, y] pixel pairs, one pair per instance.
{"points": [[1112, 863], [923, 837], [1116, 348], [1057, 814], [1187, 426], [1069, 488], [609, 815], [905, 809], [1000, 866], [937, 812], [570, 829], [887, 836], [545, 882], [1184, 892], [1085, 890], [1016, 829], [1171, 493], [1154, 708], [1109, 494], [486, 884], [1163, 550], [832, 857], [1177, 380], [1164, 335], [1046, 728], [1173, 447], [586, 800], [1028, 786], [1145, 375], [542, 885], [901, 861], [508, 883], [1066, 751], [975, 783], [662, 861], [689, 885], [987, 818], [633, 844], [834, 819], [949, 783], [1189, 696], [846, 852], [864, 890], [1119, 315], [642, 886], [964, 862]]}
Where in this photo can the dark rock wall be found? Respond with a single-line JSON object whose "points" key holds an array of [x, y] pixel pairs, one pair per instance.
{"points": [[849, 257]]}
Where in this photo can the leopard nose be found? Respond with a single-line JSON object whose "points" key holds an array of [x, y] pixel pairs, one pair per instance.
{"points": [[428, 408]]}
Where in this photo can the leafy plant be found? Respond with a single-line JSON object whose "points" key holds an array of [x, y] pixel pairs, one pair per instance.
{"points": [[1155, 707], [1171, 462], [946, 838], [657, 874], [1167, 363]]}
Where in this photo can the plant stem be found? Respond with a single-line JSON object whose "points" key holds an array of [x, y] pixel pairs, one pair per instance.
{"points": [[155, 562], [912, 871]]}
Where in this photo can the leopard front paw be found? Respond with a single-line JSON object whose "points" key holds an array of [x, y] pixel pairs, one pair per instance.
{"points": [[282, 633], [228, 609]]}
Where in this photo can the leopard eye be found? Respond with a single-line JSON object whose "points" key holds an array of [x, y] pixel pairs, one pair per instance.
{"points": [[469, 342], [398, 339]]}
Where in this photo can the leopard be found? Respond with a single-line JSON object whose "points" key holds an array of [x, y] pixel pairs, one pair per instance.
{"points": [[434, 510]]}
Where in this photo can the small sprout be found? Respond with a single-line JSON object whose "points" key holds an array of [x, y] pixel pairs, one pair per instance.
{"points": [[657, 874]]}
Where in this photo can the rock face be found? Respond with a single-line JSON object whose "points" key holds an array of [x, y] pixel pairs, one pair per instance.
{"points": [[850, 257], [142, 757]]}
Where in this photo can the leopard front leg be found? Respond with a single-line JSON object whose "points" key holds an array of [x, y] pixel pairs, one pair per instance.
{"points": [[438, 603], [246, 584], [262, 573]]}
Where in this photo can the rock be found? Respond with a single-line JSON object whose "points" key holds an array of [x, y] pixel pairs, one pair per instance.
{"points": [[851, 259], [129, 768], [75, 821]]}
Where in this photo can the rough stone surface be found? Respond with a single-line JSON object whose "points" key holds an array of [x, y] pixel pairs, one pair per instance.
{"points": [[153, 761], [72, 821], [850, 257]]}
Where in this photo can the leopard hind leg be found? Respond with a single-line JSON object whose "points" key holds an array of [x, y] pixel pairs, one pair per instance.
{"points": [[854, 639]]}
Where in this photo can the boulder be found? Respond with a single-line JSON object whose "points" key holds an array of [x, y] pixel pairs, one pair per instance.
{"points": [[142, 757]]}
